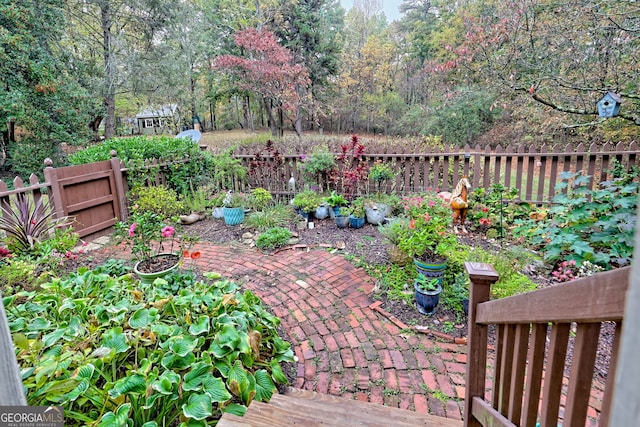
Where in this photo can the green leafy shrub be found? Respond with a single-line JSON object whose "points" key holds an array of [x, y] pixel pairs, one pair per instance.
{"points": [[28, 155], [135, 148], [587, 225], [508, 264], [260, 198], [106, 348], [273, 238], [307, 201], [16, 272], [273, 216], [160, 200]]}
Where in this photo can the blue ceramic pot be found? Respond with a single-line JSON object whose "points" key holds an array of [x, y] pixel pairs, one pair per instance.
{"points": [[427, 301], [356, 222]]}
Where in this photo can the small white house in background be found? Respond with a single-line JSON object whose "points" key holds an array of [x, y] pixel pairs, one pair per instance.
{"points": [[158, 120]]}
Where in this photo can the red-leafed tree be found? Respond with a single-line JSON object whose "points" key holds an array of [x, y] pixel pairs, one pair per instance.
{"points": [[267, 69]]}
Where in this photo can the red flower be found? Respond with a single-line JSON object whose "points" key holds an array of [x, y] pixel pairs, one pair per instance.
{"points": [[195, 255], [412, 224]]}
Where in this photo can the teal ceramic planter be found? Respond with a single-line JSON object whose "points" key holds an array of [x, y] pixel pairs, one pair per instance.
{"points": [[233, 216]]}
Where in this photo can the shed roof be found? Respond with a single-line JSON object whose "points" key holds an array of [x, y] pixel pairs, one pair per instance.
{"points": [[167, 110]]}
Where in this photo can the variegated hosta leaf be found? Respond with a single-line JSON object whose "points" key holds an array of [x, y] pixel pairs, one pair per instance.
{"points": [[198, 406], [216, 388], [193, 379], [133, 383], [264, 386], [119, 419]]}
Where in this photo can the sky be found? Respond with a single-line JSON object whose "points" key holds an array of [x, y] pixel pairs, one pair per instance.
{"points": [[389, 7]]}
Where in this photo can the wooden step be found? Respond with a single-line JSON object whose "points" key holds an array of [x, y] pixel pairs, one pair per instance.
{"points": [[306, 408]]}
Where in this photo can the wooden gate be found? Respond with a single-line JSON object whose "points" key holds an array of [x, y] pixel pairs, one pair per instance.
{"points": [[88, 194]]}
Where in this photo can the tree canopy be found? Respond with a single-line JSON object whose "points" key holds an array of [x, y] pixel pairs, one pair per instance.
{"points": [[456, 69]]}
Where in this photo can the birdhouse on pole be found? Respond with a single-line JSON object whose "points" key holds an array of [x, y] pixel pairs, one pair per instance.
{"points": [[609, 105]]}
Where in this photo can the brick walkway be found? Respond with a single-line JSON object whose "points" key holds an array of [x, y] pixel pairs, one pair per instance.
{"points": [[344, 345]]}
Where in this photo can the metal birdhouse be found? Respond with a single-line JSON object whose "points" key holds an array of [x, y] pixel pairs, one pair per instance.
{"points": [[609, 105]]}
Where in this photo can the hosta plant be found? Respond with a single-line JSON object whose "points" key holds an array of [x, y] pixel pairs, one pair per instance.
{"points": [[113, 352]]}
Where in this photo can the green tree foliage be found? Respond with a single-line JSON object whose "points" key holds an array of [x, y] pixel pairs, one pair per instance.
{"points": [[564, 55], [39, 94]]}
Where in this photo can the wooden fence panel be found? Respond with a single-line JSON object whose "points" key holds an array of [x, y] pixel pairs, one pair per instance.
{"points": [[88, 195]]}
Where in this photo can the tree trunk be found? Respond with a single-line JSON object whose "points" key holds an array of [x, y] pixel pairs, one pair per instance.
{"points": [[109, 71], [272, 121]]}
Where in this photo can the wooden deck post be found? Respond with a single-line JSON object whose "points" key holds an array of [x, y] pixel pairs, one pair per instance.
{"points": [[11, 390], [481, 276]]}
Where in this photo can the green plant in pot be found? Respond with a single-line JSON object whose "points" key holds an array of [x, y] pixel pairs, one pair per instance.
{"points": [[426, 237], [391, 231], [234, 205], [427, 293], [342, 217], [307, 201], [153, 244], [356, 217], [336, 201]]}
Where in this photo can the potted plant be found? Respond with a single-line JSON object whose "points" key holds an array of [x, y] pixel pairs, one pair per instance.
{"points": [[426, 238], [153, 245], [336, 201], [322, 211], [356, 218], [342, 217], [217, 201], [234, 204], [391, 231], [381, 172], [378, 207], [306, 202], [427, 293]]}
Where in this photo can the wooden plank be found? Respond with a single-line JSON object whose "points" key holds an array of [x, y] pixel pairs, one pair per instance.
{"points": [[306, 408], [521, 345], [611, 376], [481, 276], [534, 374], [581, 375], [596, 298], [488, 416], [497, 369], [11, 390], [554, 374], [506, 368]]}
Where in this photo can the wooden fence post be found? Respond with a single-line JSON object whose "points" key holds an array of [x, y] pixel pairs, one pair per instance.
{"points": [[55, 197], [11, 389], [481, 276], [121, 193]]}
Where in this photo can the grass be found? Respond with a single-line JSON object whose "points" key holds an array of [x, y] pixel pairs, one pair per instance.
{"points": [[275, 216]]}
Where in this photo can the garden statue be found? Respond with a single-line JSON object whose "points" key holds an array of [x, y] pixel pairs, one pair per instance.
{"points": [[459, 204]]}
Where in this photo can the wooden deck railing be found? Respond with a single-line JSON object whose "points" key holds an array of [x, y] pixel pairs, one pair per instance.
{"points": [[532, 335]]}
